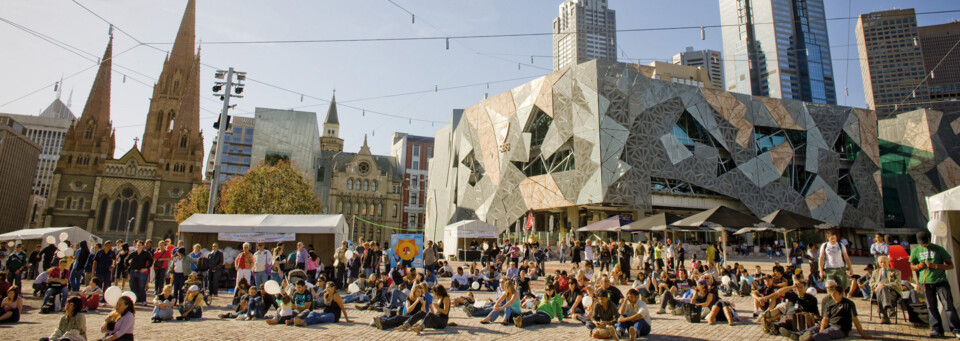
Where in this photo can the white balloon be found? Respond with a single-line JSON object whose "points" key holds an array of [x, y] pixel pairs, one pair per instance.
{"points": [[60, 254], [69, 251], [811, 291], [476, 285], [62, 246], [10, 244], [51, 240], [353, 288], [272, 287], [938, 227], [131, 295], [486, 246], [587, 301], [348, 254], [64, 236], [112, 294], [725, 280]]}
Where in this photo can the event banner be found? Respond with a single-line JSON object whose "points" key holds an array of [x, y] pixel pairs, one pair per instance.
{"points": [[257, 237], [407, 250]]}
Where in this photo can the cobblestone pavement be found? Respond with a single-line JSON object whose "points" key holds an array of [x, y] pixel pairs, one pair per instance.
{"points": [[665, 327]]}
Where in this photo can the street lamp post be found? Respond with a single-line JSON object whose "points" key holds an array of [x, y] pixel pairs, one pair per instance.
{"points": [[126, 238], [222, 123]]}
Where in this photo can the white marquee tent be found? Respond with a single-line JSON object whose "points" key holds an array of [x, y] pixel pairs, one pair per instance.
{"points": [[944, 226], [324, 231], [31, 237], [465, 231]]}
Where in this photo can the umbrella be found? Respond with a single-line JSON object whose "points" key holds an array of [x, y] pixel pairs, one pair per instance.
{"points": [[655, 223], [719, 218], [790, 220], [612, 224], [746, 230]]}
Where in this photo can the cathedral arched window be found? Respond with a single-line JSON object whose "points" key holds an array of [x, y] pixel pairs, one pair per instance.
{"points": [[340, 207], [80, 204], [371, 209], [366, 185], [176, 86], [69, 159], [124, 208], [356, 208], [373, 186], [363, 209], [183, 142], [394, 210], [379, 210], [191, 169], [348, 208], [350, 184], [159, 121], [88, 134], [95, 161], [69, 203]]}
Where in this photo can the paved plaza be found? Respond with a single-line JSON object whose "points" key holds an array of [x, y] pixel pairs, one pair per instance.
{"points": [[665, 327]]}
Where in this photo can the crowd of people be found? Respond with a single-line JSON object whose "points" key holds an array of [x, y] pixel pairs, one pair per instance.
{"points": [[297, 289]]}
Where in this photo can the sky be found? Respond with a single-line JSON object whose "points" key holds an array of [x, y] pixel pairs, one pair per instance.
{"points": [[369, 77]]}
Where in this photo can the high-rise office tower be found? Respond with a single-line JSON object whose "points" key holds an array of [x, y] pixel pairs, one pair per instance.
{"points": [[584, 30], [891, 63], [777, 48], [944, 82], [708, 59]]}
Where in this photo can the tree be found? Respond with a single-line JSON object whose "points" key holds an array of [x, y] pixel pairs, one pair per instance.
{"points": [[269, 189], [195, 202]]}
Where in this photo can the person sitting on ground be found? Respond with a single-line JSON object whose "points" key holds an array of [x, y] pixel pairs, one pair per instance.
{"points": [[839, 316], [572, 297], [460, 281], [192, 306], [719, 310], [163, 305], [242, 288], [119, 324], [415, 303], [603, 316], [91, 295], [860, 284], [551, 306], [333, 309], [377, 294], [677, 291], [885, 285], [363, 294], [463, 300], [73, 325], [644, 286], [797, 299], [285, 312], [764, 295], [11, 306], [523, 284], [634, 317], [507, 304], [437, 317], [57, 284]]}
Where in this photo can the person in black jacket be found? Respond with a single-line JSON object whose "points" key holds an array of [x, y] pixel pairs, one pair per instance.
{"points": [[215, 265], [139, 262]]}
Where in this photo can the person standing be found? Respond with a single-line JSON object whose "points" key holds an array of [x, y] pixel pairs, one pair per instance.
{"points": [[340, 265], [161, 258], [430, 257], [834, 263], [16, 262], [879, 248], [302, 256], [575, 256], [261, 264], [34, 261], [243, 263], [562, 248], [215, 264], [103, 263], [80, 261], [139, 263], [626, 256], [932, 261]]}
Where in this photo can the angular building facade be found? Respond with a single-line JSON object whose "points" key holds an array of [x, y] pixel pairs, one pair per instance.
{"points": [[778, 49], [138, 191], [601, 138], [919, 158]]}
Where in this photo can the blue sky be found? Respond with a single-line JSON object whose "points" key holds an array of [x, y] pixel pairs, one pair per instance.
{"points": [[357, 70]]}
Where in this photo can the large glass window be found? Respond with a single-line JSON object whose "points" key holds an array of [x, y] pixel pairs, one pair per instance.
{"points": [[689, 131]]}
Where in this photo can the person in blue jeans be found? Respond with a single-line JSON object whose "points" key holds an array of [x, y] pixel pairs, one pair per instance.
{"points": [[331, 312], [932, 262], [634, 316], [507, 305], [57, 284]]}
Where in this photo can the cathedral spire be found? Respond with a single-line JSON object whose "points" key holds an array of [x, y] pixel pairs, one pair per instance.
{"points": [[189, 114], [183, 45], [98, 102], [332, 111]]}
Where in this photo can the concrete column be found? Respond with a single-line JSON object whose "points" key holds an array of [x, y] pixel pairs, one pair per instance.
{"points": [[136, 220], [109, 218]]}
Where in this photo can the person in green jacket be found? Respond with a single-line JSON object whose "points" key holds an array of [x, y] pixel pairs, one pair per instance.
{"points": [[551, 306], [932, 261]]}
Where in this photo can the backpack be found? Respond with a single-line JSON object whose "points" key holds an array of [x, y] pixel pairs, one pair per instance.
{"points": [[202, 264], [917, 313]]}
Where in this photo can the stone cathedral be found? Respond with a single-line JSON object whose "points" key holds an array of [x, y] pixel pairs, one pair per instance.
{"points": [[138, 191]]}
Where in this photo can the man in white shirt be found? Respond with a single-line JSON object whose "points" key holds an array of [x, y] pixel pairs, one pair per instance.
{"points": [[879, 247], [460, 281], [261, 263], [835, 263]]}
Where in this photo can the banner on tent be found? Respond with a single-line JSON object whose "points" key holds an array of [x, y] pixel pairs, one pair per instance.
{"points": [[406, 249], [257, 237], [477, 235]]}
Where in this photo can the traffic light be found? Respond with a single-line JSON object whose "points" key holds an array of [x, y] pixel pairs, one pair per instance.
{"points": [[216, 125]]}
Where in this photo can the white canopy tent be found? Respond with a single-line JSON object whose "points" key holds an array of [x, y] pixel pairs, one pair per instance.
{"points": [[944, 227], [465, 230], [31, 237], [324, 231]]}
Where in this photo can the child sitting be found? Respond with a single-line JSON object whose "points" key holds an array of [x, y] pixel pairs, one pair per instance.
{"points": [[40, 284], [91, 295], [285, 312]]}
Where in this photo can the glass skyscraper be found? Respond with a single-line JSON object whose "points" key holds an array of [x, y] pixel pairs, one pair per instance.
{"points": [[777, 48]]}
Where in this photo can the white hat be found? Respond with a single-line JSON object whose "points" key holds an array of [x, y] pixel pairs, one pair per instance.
{"points": [[194, 288]]}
